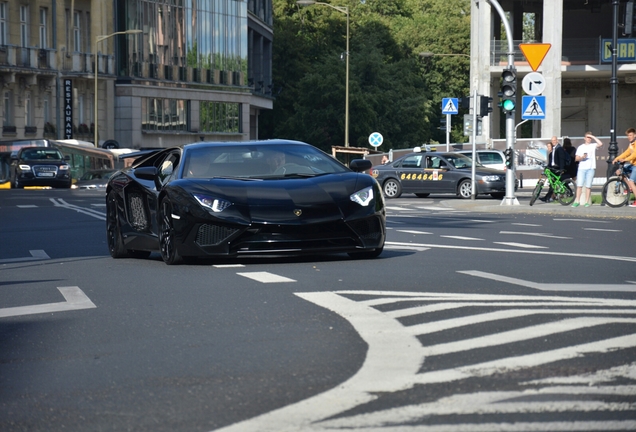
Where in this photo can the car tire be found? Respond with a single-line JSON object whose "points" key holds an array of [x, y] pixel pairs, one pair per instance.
{"points": [[392, 188], [113, 230], [464, 189], [167, 238], [367, 254], [422, 195]]}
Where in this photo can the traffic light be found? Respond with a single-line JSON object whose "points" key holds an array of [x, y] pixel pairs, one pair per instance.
{"points": [[629, 24], [464, 102], [508, 153], [509, 89], [485, 106]]}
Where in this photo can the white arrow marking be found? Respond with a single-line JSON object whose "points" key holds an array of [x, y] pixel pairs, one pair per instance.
{"points": [[94, 213], [75, 300]]}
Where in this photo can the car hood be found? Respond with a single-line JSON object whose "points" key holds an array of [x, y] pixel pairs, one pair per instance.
{"points": [[279, 200]]}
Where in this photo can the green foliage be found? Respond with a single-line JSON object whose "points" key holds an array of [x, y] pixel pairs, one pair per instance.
{"points": [[392, 90]]}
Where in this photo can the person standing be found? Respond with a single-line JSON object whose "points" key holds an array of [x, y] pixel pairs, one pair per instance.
{"points": [[556, 163], [574, 166], [586, 157], [629, 157]]}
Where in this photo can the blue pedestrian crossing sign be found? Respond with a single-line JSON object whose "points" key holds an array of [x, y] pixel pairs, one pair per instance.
{"points": [[376, 139], [533, 107], [449, 106]]}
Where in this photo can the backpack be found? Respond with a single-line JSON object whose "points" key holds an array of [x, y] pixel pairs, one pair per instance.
{"points": [[568, 158]]}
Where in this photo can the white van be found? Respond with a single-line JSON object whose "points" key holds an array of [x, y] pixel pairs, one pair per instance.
{"points": [[489, 158]]}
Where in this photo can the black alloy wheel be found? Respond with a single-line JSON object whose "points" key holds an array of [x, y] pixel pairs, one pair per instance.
{"points": [[167, 239], [113, 232]]}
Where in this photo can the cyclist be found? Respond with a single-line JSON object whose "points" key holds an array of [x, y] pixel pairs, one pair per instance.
{"points": [[629, 157], [556, 162]]}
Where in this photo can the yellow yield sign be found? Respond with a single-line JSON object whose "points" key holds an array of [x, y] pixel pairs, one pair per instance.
{"points": [[535, 53]]}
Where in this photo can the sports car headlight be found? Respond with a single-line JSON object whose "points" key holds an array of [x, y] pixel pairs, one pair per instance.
{"points": [[490, 178], [363, 197], [214, 204]]}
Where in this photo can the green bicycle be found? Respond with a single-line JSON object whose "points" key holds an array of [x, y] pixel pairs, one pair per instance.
{"points": [[564, 190]]}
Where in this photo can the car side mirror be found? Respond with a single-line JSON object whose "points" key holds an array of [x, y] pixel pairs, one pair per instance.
{"points": [[359, 165], [67, 157], [146, 173]]}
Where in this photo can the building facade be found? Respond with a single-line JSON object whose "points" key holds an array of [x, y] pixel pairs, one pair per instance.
{"points": [[198, 70], [577, 68]]}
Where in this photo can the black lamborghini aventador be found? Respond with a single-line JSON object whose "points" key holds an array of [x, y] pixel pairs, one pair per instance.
{"points": [[211, 199]]}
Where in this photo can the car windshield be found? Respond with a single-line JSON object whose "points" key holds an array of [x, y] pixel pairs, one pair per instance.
{"points": [[258, 162], [41, 154], [460, 161]]}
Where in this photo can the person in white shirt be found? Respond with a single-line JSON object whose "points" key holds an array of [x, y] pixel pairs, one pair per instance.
{"points": [[586, 157]]}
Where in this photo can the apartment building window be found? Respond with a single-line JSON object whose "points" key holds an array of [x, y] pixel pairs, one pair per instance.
{"points": [[224, 117], [3, 23], [24, 26], [43, 28], [164, 115], [77, 33]]}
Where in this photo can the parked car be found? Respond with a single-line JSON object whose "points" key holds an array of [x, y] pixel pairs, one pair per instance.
{"points": [[488, 158], [244, 198], [97, 179], [424, 173], [40, 166]]}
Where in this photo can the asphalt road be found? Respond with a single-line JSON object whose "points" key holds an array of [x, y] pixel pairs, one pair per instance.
{"points": [[475, 317]]}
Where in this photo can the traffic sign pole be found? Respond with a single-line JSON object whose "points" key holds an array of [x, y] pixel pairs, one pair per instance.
{"points": [[448, 128]]}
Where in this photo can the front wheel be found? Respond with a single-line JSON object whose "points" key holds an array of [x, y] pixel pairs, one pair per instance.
{"points": [[465, 189], [569, 194], [113, 231], [536, 192], [167, 237], [392, 188], [615, 192]]}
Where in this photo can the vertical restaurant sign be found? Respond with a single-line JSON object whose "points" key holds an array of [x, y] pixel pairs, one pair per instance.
{"points": [[68, 109]]}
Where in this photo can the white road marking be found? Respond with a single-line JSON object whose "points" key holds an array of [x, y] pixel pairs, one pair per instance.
{"points": [[228, 265], [531, 252], [521, 245], [482, 221], [87, 211], [266, 277], [398, 208], [395, 355], [75, 300], [601, 229], [461, 237], [98, 205], [27, 206], [415, 248], [582, 220], [36, 255], [413, 232], [526, 224], [444, 209], [535, 234], [550, 286]]}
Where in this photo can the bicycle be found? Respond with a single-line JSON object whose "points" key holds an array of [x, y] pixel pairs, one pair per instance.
{"points": [[564, 190], [616, 191]]}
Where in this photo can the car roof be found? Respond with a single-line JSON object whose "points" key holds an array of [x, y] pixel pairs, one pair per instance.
{"points": [[272, 142]]}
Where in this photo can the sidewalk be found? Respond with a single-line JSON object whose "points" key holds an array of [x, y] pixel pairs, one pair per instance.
{"points": [[487, 204]]}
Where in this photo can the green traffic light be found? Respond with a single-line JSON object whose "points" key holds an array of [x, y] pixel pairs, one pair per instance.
{"points": [[508, 105]]}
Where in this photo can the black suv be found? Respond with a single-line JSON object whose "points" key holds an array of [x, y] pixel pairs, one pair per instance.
{"points": [[40, 166]]}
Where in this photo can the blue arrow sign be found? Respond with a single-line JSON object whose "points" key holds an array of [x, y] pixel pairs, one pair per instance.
{"points": [[449, 106], [533, 107]]}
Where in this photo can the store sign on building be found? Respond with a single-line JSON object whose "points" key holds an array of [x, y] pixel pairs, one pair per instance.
{"points": [[626, 50], [68, 109]]}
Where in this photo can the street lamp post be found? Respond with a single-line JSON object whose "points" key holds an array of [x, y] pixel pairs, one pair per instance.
{"points": [[98, 39], [344, 10]]}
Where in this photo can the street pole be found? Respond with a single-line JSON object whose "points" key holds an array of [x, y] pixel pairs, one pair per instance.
{"points": [[510, 198], [448, 128], [473, 177], [613, 144]]}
